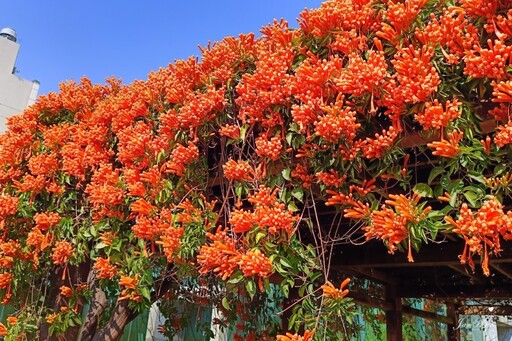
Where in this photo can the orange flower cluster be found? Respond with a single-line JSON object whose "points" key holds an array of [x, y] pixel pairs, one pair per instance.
{"points": [[223, 258], [268, 214], [104, 268], [62, 252], [448, 148], [8, 206], [46, 220], [436, 117], [308, 336], [237, 170], [181, 157], [331, 179], [130, 291], [231, 131], [253, 262], [393, 224], [337, 123], [330, 291], [269, 148], [301, 172], [66, 291], [482, 230], [170, 242], [491, 62]]}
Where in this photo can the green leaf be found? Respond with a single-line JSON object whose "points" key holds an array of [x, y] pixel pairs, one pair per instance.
{"points": [[259, 236], [423, 190], [100, 246], [472, 198], [250, 286], [298, 193], [434, 173], [477, 177], [291, 323], [286, 173], [285, 263], [225, 303], [292, 207]]}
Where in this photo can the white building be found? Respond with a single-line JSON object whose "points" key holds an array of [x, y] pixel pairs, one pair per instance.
{"points": [[16, 93]]}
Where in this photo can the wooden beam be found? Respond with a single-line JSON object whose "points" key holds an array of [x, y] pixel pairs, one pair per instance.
{"points": [[393, 315], [373, 274], [375, 255], [456, 291], [466, 272], [453, 332], [364, 299], [485, 310], [501, 269], [427, 315]]}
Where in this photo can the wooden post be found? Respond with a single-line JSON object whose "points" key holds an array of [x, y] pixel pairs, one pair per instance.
{"points": [[453, 328], [393, 315]]}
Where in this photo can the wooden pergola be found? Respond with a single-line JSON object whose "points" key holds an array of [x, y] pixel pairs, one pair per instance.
{"points": [[436, 273]]}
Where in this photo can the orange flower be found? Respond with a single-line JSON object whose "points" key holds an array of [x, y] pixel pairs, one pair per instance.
{"points": [[436, 117], [141, 206], [269, 148], [128, 282], [51, 318], [253, 262], [237, 170], [170, 242], [12, 320], [241, 221], [66, 291], [308, 336], [231, 131], [104, 268], [3, 329], [448, 148], [221, 256], [61, 253], [481, 231], [331, 292]]}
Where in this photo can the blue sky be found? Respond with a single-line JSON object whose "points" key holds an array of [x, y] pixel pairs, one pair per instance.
{"points": [[68, 39]]}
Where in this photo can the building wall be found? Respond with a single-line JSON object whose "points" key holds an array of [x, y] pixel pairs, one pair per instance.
{"points": [[16, 93]]}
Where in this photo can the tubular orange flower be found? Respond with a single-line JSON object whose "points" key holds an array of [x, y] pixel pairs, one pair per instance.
{"points": [[481, 231], [104, 268], [502, 91], [231, 131], [66, 291], [436, 117], [332, 292], [253, 262], [3, 329], [269, 148], [448, 148], [141, 206], [237, 170], [308, 336], [221, 256], [51, 318], [5, 280], [62, 252], [46, 220], [12, 320], [170, 242], [129, 282]]}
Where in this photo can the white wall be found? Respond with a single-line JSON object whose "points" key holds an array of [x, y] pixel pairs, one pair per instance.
{"points": [[16, 93]]}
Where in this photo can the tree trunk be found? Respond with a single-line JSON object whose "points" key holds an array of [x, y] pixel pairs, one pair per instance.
{"points": [[113, 330], [97, 307]]}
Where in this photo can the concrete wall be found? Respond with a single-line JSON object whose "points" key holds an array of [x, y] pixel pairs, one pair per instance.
{"points": [[16, 93]]}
